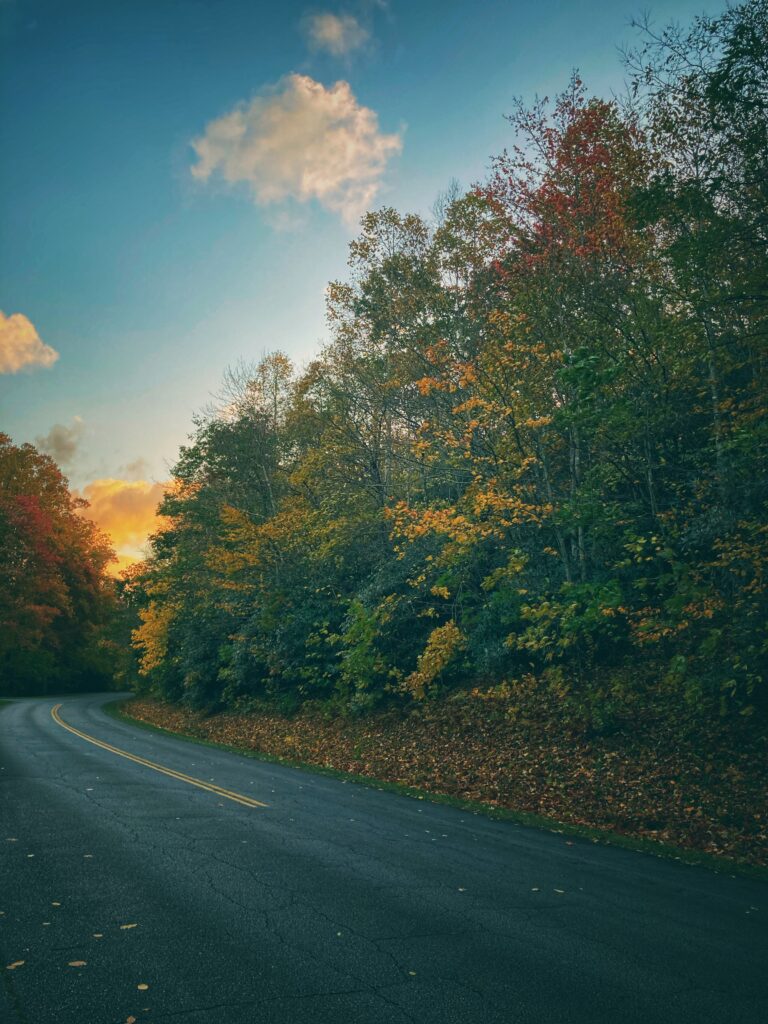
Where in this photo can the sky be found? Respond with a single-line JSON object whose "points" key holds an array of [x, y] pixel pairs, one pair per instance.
{"points": [[180, 179]]}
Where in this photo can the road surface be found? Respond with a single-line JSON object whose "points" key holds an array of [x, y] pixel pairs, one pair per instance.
{"points": [[158, 887]]}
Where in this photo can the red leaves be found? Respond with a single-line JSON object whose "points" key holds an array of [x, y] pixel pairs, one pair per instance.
{"points": [[52, 568], [565, 194], [34, 525]]}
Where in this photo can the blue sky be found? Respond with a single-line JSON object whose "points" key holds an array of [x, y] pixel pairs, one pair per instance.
{"points": [[148, 281]]}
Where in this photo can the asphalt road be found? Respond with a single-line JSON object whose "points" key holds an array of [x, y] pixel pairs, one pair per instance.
{"points": [[334, 903]]}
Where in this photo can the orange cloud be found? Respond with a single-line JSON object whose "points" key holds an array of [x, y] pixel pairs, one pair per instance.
{"points": [[126, 510], [120, 563], [20, 345]]}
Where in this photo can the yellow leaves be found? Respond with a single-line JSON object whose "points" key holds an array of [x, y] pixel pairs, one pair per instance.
{"points": [[152, 635], [414, 523], [492, 500], [156, 587], [486, 510], [296, 527], [441, 592], [443, 644], [427, 385], [472, 403], [501, 319], [467, 374]]}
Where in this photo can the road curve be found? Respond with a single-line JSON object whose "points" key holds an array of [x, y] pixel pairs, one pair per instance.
{"points": [[131, 893]]}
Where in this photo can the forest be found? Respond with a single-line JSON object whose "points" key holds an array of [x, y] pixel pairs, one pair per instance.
{"points": [[532, 452], [530, 457]]}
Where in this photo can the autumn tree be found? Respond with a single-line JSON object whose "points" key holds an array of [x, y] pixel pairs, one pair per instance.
{"points": [[56, 601], [531, 445]]}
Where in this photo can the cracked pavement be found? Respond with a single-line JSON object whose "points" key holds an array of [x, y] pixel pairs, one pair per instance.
{"points": [[337, 902]]}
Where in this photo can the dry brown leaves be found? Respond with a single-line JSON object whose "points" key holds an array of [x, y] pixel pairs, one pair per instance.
{"points": [[706, 792]]}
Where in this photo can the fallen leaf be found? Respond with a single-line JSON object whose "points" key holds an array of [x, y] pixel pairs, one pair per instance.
{"points": [[142, 987], [77, 963], [15, 964], [126, 926], [98, 935], [477, 776]]}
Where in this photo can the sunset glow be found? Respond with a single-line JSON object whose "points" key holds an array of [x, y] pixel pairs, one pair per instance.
{"points": [[126, 510]]}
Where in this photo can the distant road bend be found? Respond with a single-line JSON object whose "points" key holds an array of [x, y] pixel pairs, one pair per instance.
{"points": [[143, 879]]}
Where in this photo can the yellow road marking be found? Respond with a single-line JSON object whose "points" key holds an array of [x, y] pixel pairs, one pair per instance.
{"points": [[239, 798]]}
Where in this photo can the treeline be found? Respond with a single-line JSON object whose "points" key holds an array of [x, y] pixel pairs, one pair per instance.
{"points": [[536, 443], [58, 607]]}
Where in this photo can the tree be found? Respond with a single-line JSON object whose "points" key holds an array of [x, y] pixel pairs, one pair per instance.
{"points": [[533, 441], [56, 601]]}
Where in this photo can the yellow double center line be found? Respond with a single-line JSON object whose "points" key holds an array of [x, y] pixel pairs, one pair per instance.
{"points": [[239, 798]]}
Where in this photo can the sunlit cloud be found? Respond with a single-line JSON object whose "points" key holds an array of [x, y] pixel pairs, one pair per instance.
{"points": [[300, 141], [122, 562], [61, 442], [20, 345], [337, 34], [126, 510]]}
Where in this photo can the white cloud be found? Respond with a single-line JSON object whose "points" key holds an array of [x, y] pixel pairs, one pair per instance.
{"points": [[300, 140], [62, 442], [20, 345], [338, 34]]}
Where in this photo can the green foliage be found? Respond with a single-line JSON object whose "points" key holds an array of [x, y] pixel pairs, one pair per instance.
{"points": [[533, 443]]}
